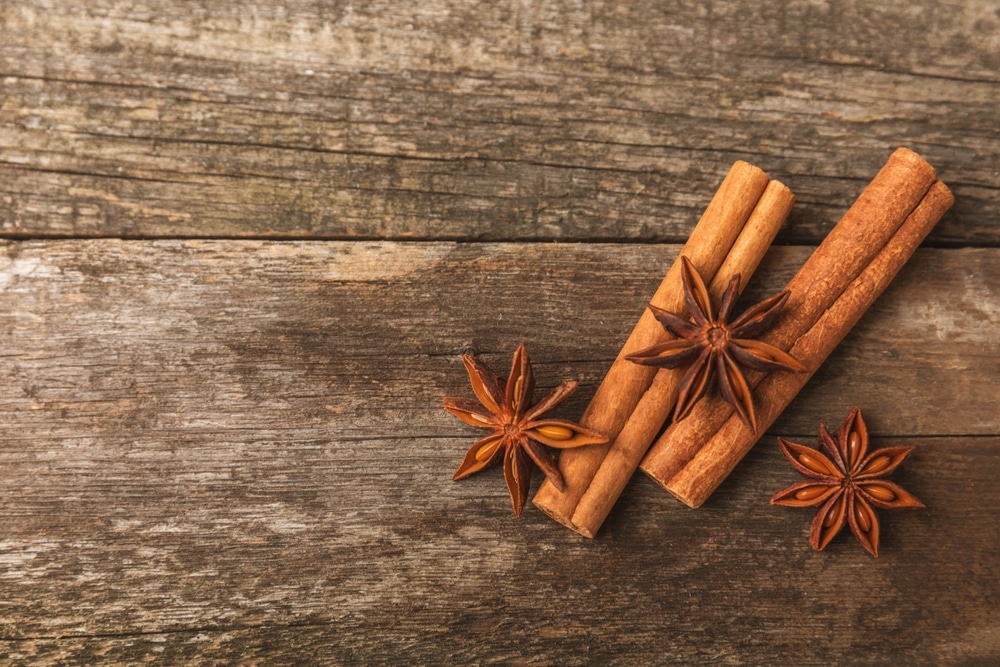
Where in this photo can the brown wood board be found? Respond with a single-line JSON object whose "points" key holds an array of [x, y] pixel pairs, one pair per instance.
{"points": [[230, 436], [435, 119], [243, 246]]}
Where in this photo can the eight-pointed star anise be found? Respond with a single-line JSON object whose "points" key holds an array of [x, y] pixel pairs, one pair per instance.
{"points": [[717, 346], [516, 432], [847, 484]]}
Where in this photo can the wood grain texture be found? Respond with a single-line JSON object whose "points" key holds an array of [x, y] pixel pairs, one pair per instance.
{"points": [[441, 119], [243, 245], [219, 449]]}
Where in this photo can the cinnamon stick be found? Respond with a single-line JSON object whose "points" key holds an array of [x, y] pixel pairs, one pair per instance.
{"points": [[626, 382], [717, 458], [847, 250], [642, 426]]}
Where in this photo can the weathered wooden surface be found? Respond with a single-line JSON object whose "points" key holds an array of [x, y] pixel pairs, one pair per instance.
{"points": [[198, 468], [216, 447], [442, 119]]}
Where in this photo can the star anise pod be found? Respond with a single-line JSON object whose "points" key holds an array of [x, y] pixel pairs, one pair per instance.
{"points": [[717, 346], [846, 485], [516, 432]]}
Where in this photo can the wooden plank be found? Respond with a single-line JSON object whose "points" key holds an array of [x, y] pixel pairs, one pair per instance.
{"points": [[215, 449], [369, 569], [438, 120], [276, 322]]}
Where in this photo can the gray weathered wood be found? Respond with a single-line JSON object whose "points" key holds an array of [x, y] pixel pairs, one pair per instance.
{"points": [[441, 119], [224, 449]]}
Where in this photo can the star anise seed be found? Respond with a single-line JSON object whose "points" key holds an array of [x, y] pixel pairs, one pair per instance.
{"points": [[717, 347], [846, 485], [516, 432]]}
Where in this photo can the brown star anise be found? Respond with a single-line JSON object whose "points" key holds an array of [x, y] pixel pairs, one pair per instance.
{"points": [[517, 433], [847, 486], [717, 346]]}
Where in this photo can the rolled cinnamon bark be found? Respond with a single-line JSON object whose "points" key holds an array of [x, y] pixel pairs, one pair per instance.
{"points": [[697, 480], [626, 382], [861, 234], [642, 426]]}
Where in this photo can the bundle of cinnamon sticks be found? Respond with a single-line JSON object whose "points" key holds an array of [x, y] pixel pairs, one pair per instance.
{"points": [[831, 292]]}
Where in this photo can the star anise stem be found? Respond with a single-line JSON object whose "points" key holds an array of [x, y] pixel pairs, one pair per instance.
{"points": [[716, 348], [517, 432], [847, 484]]}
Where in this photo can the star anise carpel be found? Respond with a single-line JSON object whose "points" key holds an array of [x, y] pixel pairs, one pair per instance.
{"points": [[716, 346], [516, 431], [847, 484]]}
